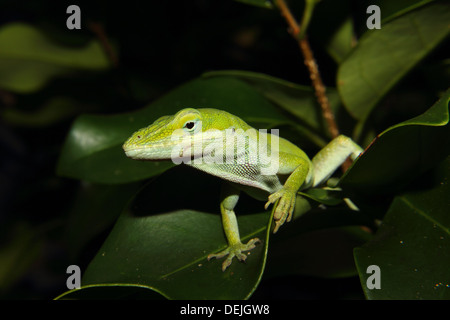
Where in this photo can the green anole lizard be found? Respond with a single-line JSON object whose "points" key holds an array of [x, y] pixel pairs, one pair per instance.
{"points": [[263, 165]]}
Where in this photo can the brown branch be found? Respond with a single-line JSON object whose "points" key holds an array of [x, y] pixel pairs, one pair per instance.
{"points": [[314, 74], [98, 30], [313, 69]]}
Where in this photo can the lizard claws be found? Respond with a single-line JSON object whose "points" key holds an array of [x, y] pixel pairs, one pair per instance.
{"points": [[234, 250], [285, 207]]}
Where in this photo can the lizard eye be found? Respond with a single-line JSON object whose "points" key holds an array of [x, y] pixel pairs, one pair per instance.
{"points": [[191, 126]]}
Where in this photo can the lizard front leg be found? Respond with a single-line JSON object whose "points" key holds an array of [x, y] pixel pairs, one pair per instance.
{"points": [[229, 199], [288, 193]]}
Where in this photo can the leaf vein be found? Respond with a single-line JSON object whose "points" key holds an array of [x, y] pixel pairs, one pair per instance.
{"points": [[425, 215]]}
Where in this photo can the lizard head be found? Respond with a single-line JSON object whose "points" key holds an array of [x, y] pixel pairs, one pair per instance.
{"points": [[156, 141], [182, 131]]}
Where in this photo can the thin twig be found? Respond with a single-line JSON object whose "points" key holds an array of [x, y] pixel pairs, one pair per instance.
{"points": [[313, 69], [319, 87], [98, 30]]}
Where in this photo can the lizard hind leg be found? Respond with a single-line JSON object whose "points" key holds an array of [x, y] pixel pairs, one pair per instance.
{"points": [[333, 155], [230, 197]]}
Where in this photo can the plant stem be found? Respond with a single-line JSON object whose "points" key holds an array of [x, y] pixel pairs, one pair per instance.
{"points": [[310, 62], [98, 30]]}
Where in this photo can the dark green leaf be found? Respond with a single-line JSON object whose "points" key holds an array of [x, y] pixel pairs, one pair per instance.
{"points": [[112, 292], [337, 35], [324, 252], [342, 41], [402, 152], [319, 241], [295, 99], [53, 111], [93, 148], [392, 9], [382, 58], [412, 246], [325, 196], [96, 208], [157, 245], [28, 59]]}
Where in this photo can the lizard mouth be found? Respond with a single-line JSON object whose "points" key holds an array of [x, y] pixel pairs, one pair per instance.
{"points": [[155, 151], [133, 153], [142, 153], [169, 148]]}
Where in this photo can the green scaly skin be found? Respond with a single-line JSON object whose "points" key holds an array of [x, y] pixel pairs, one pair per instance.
{"points": [[192, 134]]}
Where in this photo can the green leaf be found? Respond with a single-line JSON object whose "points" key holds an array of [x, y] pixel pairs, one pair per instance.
{"points": [[158, 246], [412, 246], [402, 152], [18, 254], [55, 110], [93, 148], [322, 195], [383, 57], [341, 42], [337, 35], [324, 252], [110, 292], [295, 99], [392, 9], [28, 59], [96, 207], [319, 241]]}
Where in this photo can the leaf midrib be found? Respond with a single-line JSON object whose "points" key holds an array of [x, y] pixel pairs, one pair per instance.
{"points": [[203, 257], [424, 214]]}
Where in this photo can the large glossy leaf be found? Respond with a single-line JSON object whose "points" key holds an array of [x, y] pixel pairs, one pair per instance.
{"points": [[93, 148], [96, 208], [28, 59], [319, 243], [402, 152], [162, 239], [392, 9], [382, 57], [93, 152], [295, 99], [412, 246], [161, 245]]}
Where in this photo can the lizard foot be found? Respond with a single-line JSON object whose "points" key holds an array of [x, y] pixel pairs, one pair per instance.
{"points": [[285, 207], [234, 251]]}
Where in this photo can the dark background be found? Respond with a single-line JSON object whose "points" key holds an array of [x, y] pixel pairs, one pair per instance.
{"points": [[159, 45]]}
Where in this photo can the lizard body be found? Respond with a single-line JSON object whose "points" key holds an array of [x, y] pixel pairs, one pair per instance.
{"points": [[265, 166]]}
